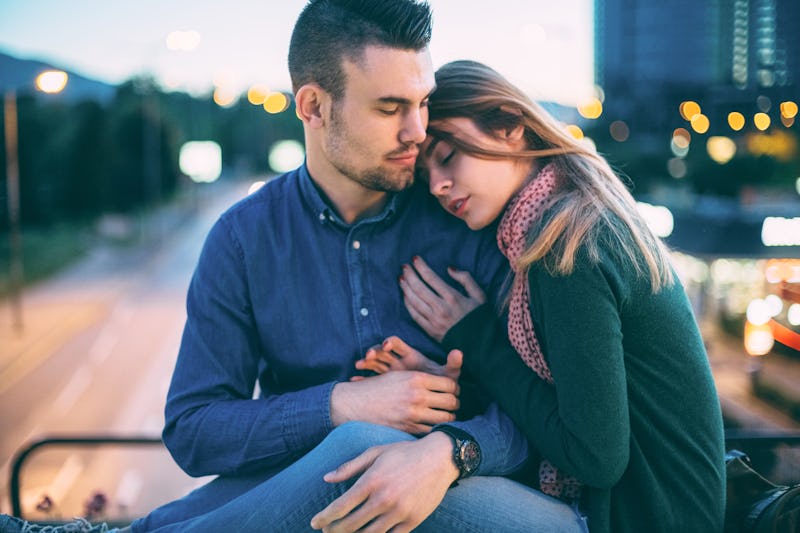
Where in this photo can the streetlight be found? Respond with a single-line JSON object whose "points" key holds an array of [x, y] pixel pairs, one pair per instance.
{"points": [[49, 81]]}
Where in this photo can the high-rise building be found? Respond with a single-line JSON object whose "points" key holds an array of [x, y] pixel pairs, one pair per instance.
{"points": [[746, 44]]}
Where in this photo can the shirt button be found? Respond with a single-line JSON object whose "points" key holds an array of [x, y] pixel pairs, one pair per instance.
{"points": [[356, 245], [322, 217], [364, 311]]}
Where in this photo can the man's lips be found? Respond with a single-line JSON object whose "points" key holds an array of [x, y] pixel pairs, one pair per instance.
{"points": [[405, 158]]}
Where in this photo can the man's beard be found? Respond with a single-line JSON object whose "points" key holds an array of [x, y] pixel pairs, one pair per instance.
{"points": [[376, 178]]}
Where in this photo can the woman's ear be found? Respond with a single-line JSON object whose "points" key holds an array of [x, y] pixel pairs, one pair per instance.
{"points": [[310, 103], [512, 133]]}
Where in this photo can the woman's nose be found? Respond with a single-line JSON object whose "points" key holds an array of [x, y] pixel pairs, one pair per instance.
{"points": [[439, 183]]}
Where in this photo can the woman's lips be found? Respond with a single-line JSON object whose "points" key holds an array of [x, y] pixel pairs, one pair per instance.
{"points": [[458, 206]]}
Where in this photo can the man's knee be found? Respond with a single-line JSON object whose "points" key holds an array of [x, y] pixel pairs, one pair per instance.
{"points": [[363, 435]]}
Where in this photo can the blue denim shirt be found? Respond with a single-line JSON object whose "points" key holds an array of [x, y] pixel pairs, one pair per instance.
{"points": [[288, 295]]}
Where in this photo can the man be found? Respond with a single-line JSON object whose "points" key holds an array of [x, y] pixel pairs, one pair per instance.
{"points": [[298, 280]]}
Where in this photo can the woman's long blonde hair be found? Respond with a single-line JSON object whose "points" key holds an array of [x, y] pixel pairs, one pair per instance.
{"points": [[589, 194]]}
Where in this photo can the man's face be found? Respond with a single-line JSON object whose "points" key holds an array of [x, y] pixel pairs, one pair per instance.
{"points": [[375, 128]]}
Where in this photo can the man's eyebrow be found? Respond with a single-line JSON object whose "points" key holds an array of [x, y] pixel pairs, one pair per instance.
{"points": [[400, 100]]}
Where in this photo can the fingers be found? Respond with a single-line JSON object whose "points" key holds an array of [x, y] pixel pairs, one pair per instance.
{"points": [[354, 466], [398, 346], [468, 282], [455, 359], [342, 508], [430, 277], [376, 360]]}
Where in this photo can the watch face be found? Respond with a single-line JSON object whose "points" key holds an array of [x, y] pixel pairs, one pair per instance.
{"points": [[470, 456]]}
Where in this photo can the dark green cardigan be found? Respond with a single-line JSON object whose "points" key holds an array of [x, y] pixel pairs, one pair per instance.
{"points": [[633, 413]]}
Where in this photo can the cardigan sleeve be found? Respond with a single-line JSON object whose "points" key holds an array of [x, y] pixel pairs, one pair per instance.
{"points": [[581, 423]]}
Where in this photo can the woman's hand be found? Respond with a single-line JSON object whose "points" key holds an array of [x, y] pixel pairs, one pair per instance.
{"points": [[395, 354], [432, 303]]}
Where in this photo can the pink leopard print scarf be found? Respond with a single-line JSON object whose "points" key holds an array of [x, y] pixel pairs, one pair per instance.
{"points": [[512, 235]]}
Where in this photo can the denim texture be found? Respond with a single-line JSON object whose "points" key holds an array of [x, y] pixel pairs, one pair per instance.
{"points": [[288, 296], [289, 500]]}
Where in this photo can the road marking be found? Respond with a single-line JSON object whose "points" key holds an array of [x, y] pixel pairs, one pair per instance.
{"points": [[129, 488], [103, 346], [33, 355], [77, 384]]}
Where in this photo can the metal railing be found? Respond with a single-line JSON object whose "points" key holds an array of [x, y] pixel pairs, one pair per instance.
{"points": [[88, 441]]}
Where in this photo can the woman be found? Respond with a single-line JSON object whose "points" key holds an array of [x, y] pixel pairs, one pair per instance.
{"points": [[605, 371]]}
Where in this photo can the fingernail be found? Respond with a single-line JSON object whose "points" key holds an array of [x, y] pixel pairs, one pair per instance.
{"points": [[415, 258], [384, 343], [400, 278]]}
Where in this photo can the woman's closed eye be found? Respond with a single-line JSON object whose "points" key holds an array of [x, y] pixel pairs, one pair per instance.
{"points": [[449, 156]]}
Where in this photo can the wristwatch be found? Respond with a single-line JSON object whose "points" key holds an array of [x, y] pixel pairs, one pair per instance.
{"points": [[466, 452]]}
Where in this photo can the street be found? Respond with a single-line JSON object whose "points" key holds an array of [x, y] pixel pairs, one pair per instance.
{"points": [[95, 358]]}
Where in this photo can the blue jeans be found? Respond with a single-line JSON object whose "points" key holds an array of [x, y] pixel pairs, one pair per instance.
{"points": [[288, 500]]}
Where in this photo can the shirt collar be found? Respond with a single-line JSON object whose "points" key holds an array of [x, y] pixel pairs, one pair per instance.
{"points": [[326, 214]]}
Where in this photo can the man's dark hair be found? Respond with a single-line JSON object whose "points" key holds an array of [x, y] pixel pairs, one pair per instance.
{"points": [[328, 31]]}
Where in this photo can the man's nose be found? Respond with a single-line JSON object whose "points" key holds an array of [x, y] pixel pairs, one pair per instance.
{"points": [[416, 120]]}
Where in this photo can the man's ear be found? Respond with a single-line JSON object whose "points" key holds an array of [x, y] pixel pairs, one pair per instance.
{"points": [[312, 104]]}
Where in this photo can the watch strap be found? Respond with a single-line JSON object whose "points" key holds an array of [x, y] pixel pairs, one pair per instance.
{"points": [[460, 438]]}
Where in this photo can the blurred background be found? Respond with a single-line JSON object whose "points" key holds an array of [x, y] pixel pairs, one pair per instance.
{"points": [[129, 128]]}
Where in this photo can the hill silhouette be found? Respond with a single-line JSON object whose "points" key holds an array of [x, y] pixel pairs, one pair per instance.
{"points": [[20, 74]]}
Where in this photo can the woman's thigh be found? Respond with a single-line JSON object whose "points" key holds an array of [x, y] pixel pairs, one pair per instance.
{"points": [[497, 504]]}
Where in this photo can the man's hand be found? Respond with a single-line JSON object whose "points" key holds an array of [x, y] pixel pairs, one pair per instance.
{"points": [[410, 401], [432, 303], [401, 484], [395, 354]]}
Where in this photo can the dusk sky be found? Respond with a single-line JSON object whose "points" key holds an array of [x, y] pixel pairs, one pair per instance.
{"points": [[543, 46]]}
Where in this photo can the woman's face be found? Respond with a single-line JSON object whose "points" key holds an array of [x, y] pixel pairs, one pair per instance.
{"points": [[475, 190]]}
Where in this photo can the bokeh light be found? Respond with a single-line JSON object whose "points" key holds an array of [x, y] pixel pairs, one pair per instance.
{"points": [[257, 94], [689, 109], [286, 155], [758, 312], [774, 304], [224, 96], [736, 120], [619, 131], [276, 102], [52, 81], [763, 103], [590, 108], [575, 131], [721, 149], [758, 339], [201, 161], [677, 168], [700, 123], [788, 109], [793, 314], [762, 121]]}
